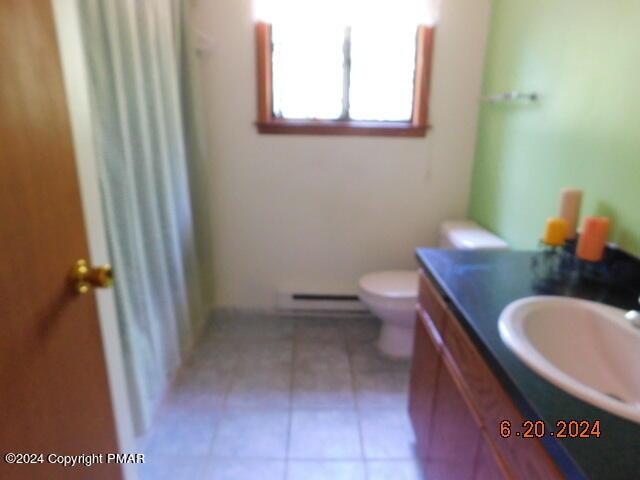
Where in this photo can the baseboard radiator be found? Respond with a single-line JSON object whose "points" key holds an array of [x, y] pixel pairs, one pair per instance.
{"points": [[319, 302]]}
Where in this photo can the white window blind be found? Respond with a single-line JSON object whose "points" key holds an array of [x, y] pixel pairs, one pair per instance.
{"points": [[344, 59], [348, 12], [307, 71]]}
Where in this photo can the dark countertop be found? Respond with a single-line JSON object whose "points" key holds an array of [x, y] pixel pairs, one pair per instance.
{"points": [[479, 284]]}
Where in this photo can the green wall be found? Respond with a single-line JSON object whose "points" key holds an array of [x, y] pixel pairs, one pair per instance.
{"points": [[583, 57]]}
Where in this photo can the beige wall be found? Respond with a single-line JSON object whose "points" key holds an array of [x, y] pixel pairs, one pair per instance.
{"points": [[315, 213]]}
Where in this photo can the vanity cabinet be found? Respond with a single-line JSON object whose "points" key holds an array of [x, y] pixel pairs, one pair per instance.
{"points": [[456, 405]]}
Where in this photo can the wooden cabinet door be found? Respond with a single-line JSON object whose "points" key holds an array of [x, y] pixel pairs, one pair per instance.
{"points": [[424, 371], [488, 467], [454, 435]]}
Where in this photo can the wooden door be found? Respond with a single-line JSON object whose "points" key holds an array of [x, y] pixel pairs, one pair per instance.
{"points": [[54, 392]]}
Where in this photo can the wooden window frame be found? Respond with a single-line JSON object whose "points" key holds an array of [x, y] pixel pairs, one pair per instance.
{"points": [[418, 126]]}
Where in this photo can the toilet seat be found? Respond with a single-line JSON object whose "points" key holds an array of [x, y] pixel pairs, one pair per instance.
{"points": [[393, 284]]}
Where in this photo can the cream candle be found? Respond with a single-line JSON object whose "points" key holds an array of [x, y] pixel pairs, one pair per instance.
{"points": [[570, 202]]}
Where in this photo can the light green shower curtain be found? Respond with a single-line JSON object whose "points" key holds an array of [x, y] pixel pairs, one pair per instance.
{"points": [[138, 52]]}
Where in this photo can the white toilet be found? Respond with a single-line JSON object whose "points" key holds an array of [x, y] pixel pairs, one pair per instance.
{"points": [[392, 295]]}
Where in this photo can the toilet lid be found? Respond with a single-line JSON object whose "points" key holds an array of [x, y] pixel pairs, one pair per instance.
{"points": [[393, 284]]}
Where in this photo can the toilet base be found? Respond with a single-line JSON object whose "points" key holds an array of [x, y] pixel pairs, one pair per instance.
{"points": [[396, 341]]}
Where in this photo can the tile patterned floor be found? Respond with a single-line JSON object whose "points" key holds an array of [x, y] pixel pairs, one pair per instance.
{"points": [[285, 398]]}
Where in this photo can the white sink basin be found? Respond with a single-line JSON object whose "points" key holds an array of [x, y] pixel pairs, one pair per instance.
{"points": [[587, 349]]}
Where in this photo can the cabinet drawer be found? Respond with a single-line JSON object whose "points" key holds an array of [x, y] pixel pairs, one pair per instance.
{"points": [[527, 458], [430, 300], [429, 325]]}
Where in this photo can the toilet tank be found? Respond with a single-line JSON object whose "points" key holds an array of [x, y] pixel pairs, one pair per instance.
{"points": [[468, 235]]}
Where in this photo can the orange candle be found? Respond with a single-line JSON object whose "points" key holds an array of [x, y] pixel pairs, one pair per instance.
{"points": [[556, 232], [593, 238], [570, 202]]}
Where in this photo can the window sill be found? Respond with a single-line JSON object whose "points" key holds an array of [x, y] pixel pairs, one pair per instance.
{"points": [[333, 127]]}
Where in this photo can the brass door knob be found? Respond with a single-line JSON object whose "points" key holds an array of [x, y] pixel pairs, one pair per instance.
{"points": [[83, 278]]}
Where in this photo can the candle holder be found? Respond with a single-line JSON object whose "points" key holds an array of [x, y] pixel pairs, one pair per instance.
{"points": [[558, 268], [563, 273], [549, 264], [591, 272]]}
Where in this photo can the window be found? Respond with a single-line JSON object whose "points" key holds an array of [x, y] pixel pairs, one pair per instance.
{"points": [[368, 76]]}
